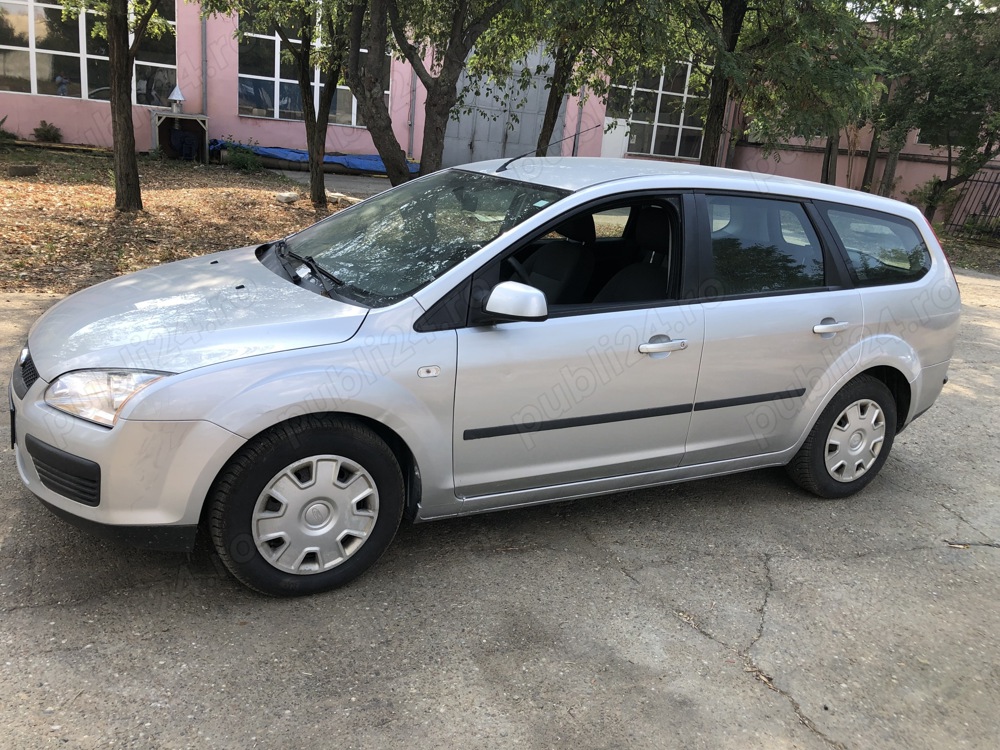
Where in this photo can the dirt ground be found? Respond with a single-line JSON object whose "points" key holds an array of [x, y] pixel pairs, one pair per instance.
{"points": [[59, 231]]}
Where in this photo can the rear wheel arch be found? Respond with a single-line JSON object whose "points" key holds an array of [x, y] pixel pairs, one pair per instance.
{"points": [[850, 441], [900, 388]]}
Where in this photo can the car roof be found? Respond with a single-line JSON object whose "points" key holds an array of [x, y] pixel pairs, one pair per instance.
{"points": [[579, 172]]}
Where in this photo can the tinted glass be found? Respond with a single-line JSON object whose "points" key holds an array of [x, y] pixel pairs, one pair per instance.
{"points": [[14, 25], [256, 97], [761, 245], [880, 249], [162, 49], [15, 67], [257, 56], [291, 101], [53, 33], [58, 75], [154, 84]]}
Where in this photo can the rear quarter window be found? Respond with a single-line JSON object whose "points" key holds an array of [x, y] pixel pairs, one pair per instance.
{"points": [[881, 249]]}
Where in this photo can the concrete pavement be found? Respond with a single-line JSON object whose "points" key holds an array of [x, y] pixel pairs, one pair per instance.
{"points": [[727, 613], [358, 186]]}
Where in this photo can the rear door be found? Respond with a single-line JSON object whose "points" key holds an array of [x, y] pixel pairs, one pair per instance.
{"points": [[780, 321]]}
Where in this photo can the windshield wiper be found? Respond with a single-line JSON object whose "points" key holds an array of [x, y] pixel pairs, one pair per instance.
{"points": [[308, 262]]}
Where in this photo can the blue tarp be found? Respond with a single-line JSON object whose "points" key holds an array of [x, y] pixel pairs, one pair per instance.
{"points": [[370, 163]]}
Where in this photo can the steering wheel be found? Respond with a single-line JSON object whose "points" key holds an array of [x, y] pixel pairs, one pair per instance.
{"points": [[519, 270]]}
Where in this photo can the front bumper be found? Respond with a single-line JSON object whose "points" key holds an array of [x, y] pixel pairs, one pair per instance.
{"points": [[143, 483], [174, 538]]}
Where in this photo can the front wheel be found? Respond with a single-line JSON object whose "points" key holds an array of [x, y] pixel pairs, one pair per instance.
{"points": [[850, 441], [306, 507]]}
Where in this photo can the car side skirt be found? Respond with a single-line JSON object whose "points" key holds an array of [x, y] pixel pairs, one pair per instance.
{"points": [[607, 485]]}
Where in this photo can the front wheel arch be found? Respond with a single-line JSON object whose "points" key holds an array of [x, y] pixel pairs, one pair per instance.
{"points": [[284, 525], [407, 461]]}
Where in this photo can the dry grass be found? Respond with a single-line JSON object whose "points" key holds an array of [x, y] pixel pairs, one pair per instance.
{"points": [[59, 231], [965, 254]]}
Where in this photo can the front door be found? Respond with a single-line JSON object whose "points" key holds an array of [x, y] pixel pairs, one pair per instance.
{"points": [[573, 398]]}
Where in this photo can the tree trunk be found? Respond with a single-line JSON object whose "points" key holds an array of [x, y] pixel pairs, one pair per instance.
{"points": [[379, 124], [733, 14], [940, 189], [829, 175], [871, 161], [442, 89], [565, 58], [315, 129], [441, 98], [365, 81], [317, 147], [128, 195], [889, 173]]}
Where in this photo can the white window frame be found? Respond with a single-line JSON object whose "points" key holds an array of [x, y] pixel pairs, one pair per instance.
{"points": [[276, 82], [686, 99], [82, 57]]}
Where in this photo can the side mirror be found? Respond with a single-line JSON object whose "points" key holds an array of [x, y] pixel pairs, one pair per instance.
{"points": [[511, 300]]}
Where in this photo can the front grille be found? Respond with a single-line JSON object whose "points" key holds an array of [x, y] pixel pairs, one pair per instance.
{"points": [[24, 377], [28, 372], [71, 476]]}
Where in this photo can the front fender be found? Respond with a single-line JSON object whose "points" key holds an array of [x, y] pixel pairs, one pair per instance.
{"points": [[386, 382]]}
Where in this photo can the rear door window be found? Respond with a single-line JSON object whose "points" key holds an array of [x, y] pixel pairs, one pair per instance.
{"points": [[761, 245], [881, 249]]}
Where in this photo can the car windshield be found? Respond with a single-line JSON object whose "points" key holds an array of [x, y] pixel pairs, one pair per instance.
{"points": [[393, 244]]}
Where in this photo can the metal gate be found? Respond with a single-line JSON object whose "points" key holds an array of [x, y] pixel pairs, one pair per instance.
{"points": [[976, 215], [497, 130]]}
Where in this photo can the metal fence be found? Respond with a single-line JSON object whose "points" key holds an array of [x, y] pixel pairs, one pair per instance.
{"points": [[976, 215]]}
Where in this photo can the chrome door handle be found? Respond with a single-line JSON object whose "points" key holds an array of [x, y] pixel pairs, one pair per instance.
{"points": [[656, 347], [831, 327]]}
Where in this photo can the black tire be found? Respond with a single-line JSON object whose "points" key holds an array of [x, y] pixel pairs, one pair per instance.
{"points": [[246, 501], [828, 464]]}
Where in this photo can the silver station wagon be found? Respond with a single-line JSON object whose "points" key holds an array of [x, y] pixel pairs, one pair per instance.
{"points": [[487, 337]]}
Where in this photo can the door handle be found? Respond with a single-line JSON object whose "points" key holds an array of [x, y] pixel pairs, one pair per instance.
{"points": [[656, 347], [836, 327]]}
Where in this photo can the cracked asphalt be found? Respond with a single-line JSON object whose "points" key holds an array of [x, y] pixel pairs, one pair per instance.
{"points": [[729, 613]]}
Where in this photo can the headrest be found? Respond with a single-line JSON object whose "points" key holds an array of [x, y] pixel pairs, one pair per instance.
{"points": [[579, 229], [652, 227]]}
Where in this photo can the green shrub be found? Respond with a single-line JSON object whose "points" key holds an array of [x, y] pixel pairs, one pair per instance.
{"points": [[240, 155], [921, 194], [46, 132], [6, 135]]}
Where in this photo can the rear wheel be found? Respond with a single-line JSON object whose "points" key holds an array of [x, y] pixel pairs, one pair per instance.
{"points": [[306, 507], [849, 442]]}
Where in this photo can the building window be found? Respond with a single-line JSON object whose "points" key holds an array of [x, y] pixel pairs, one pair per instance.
{"points": [[269, 85], [40, 53], [661, 111]]}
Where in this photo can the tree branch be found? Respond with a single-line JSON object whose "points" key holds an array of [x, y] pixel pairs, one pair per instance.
{"points": [[139, 31], [410, 51]]}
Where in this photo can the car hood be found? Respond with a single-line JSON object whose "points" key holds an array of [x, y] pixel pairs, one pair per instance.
{"points": [[187, 314]]}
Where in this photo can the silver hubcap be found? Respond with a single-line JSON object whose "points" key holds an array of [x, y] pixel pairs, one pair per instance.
{"points": [[314, 514], [855, 440]]}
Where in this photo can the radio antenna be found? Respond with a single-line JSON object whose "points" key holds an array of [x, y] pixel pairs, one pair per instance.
{"points": [[503, 167]]}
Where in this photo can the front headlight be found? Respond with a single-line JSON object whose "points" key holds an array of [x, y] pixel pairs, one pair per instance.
{"points": [[97, 395]]}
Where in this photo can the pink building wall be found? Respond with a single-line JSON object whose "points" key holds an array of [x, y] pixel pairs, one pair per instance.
{"points": [[918, 163], [584, 126], [89, 122]]}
